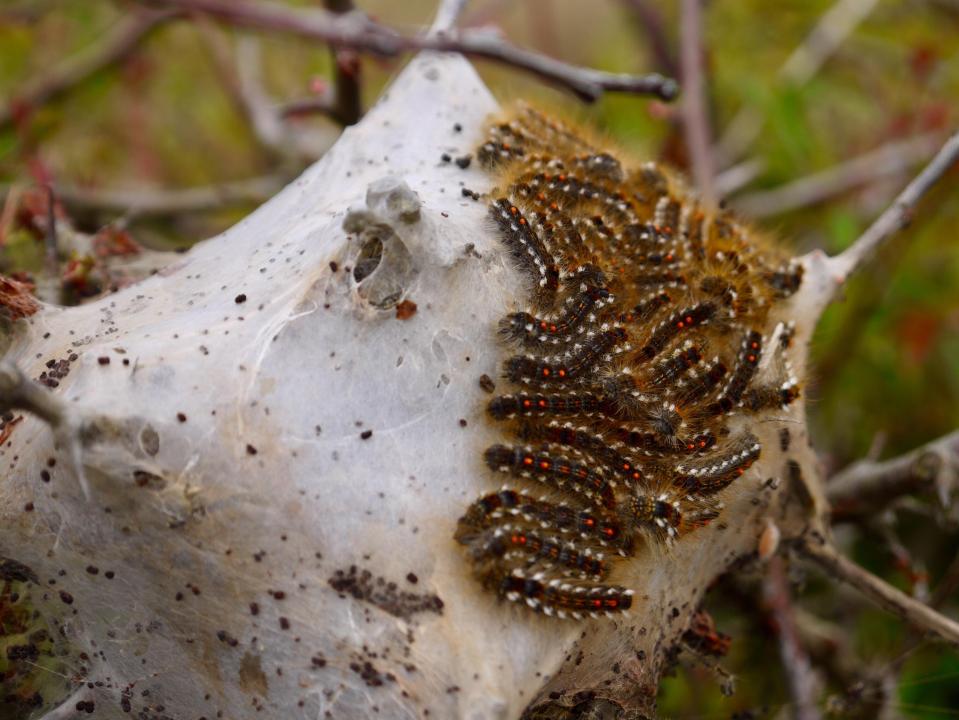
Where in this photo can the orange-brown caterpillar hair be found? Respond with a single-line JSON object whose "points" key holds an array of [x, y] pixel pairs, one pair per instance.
{"points": [[646, 322]]}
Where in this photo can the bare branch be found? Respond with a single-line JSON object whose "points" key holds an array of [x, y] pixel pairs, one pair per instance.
{"points": [[51, 258], [898, 215], [695, 113], [799, 674], [18, 392], [880, 592], [649, 20], [145, 201], [356, 31], [448, 14], [867, 486], [888, 160], [345, 105], [116, 47], [835, 25], [738, 176]]}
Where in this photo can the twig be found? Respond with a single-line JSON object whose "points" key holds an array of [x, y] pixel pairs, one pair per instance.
{"points": [[345, 105], [867, 486], [738, 176], [880, 592], [649, 20], [694, 111], [889, 160], [355, 31], [51, 257], [897, 216], [18, 392], [795, 661], [117, 46], [147, 202], [835, 25], [447, 15]]}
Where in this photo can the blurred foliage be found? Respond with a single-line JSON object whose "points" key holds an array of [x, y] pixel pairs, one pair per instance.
{"points": [[888, 356]]}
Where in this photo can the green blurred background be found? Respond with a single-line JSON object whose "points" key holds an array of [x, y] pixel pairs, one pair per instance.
{"points": [[887, 357]]}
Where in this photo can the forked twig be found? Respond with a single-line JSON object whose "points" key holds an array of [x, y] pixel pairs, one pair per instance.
{"points": [[880, 592]]}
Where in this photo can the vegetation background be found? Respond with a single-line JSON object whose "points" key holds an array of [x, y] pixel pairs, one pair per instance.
{"points": [[887, 379]]}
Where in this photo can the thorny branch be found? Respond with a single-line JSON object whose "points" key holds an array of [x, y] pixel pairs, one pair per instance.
{"points": [[357, 32], [694, 110], [117, 46], [867, 486], [897, 216], [880, 592]]}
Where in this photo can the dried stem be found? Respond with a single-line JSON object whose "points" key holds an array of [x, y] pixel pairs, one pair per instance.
{"points": [[867, 487], [355, 31], [157, 202], [880, 592], [835, 25], [694, 111], [889, 160], [344, 104], [51, 256], [117, 46], [799, 674], [18, 392], [650, 22], [899, 214]]}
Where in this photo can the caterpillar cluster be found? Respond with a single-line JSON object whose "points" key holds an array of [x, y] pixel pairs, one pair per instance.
{"points": [[640, 348]]}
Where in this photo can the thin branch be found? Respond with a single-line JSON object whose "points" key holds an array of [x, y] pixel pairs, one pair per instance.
{"points": [[795, 661], [899, 214], [694, 111], [650, 22], [888, 160], [835, 25], [345, 105], [356, 31], [448, 14], [156, 202], [867, 487], [117, 46], [880, 592], [51, 257], [18, 392], [738, 176]]}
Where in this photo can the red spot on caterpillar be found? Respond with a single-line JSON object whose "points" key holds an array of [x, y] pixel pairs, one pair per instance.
{"points": [[632, 360]]}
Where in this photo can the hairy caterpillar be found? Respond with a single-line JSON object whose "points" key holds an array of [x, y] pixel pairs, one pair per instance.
{"points": [[647, 320]]}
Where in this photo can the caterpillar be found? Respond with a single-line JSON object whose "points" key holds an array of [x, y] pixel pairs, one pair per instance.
{"points": [[642, 340]]}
